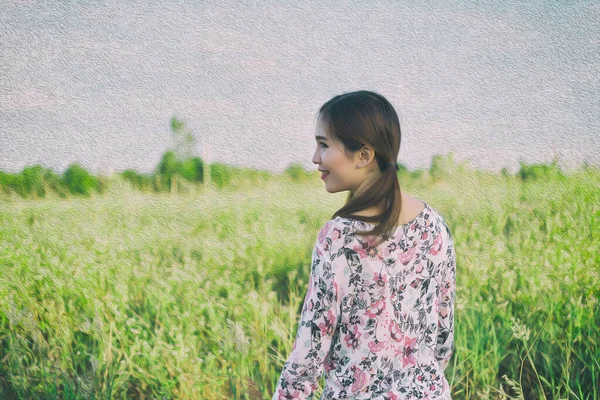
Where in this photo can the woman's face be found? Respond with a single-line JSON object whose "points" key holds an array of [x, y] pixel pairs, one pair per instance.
{"points": [[337, 170]]}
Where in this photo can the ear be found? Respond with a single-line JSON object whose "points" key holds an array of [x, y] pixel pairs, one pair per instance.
{"points": [[365, 156]]}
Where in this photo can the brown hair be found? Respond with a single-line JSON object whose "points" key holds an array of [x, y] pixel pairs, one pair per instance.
{"points": [[364, 118]]}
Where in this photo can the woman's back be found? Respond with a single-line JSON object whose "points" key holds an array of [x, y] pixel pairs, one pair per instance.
{"points": [[378, 321], [377, 318]]}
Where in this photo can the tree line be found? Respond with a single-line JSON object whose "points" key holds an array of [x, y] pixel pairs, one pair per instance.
{"points": [[180, 164], [36, 181]]}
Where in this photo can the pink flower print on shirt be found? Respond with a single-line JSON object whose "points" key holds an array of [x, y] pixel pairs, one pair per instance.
{"points": [[419, 268], [398, 348], [376, 308], [336, 234], [444, 312], [289, 395], [369, 326], [382, 335], [405, 256], [384, 252], [360, 379], [362, 253], [323, 233], [352, 339], [408, 359], [367, 248], [308, 296], [396, 332], [327, 325], [328, 365], [319, 252], [391, 396], [380, 279], [410, 342], [409, 349], [376, 347], [383, 328], [437, 245], [308, 305], [446, 292]]}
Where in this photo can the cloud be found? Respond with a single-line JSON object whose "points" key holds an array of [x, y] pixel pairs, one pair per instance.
{"points": [[29, 99]]}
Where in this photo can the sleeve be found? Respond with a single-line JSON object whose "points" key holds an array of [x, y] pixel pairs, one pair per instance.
{"points": [[319, 317], [445, 339]]}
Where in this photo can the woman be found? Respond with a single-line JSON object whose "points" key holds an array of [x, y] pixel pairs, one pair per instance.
{"points": [[378, 316]]}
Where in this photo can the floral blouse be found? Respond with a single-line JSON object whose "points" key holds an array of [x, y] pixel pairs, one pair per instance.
{"points": [[378, 321]]}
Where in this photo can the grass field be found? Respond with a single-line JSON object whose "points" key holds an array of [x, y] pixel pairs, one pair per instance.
{"points": [[197, 296]]}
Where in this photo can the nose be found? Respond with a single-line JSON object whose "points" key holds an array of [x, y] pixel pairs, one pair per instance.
{"points": [[316, 159]]}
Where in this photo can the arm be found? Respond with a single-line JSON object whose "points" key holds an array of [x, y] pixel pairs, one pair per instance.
{"points": [[445, 339], [318, 320]]}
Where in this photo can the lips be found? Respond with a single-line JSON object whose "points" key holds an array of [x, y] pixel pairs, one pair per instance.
{"points": [[324, 174]]}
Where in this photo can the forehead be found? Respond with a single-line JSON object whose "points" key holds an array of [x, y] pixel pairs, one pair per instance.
{"points": [[320, 132]]}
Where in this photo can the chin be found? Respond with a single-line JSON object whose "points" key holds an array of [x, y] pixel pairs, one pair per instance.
{"points": [[332, 190]]}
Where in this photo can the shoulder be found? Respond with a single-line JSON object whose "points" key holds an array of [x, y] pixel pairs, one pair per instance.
{"points": [[433, 219], [441, 232], [435, 228], [334, 230], [443, 227]]}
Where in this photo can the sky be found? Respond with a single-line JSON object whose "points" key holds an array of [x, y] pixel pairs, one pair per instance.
{"points": [[97, 82]]}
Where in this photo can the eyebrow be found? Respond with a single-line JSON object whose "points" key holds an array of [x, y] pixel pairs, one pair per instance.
{"points": [[320, 138]]}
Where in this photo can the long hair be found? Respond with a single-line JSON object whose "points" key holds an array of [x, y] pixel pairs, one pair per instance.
{"points": [[364, 118]]}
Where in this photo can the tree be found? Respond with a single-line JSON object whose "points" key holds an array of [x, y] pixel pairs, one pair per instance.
{"points": [[184, 140], [192, 169], [167, 168], [79, 181], [33, 180]]}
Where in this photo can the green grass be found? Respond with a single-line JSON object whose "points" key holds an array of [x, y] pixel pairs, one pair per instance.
{"points": [[197, 296]]}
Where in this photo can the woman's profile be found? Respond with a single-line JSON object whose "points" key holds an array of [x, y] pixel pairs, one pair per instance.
{"points": [[378, 315]]}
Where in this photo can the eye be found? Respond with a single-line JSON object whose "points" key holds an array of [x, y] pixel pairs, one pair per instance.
{"points": [[323, 145]]}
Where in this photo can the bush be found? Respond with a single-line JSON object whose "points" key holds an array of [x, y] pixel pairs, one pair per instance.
{"points": [[14, 182], [166, 169], [79, 181], [402, 169], [220, 174], [33, 180], [191, 169], [441, 166], [133, 177], [297, 173], [534, 172], [55, 183], [256, 177], [416, 174], [143, 182]]}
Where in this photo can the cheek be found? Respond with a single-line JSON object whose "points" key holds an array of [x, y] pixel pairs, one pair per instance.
{"points": [[329, 155]]}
